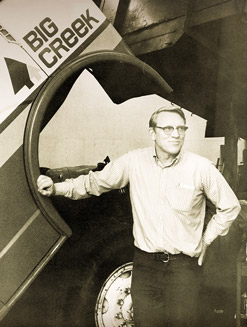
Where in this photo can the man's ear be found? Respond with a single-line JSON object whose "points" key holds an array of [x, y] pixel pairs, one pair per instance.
{"points": [[152, 133]]}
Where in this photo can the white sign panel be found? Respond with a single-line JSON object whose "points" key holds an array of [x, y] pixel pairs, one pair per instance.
{"points": [[50, 31], [36, 37]]}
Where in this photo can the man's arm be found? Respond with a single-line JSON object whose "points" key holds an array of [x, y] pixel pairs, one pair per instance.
{"points": [[218, 191], [114, 175], [47, 187]]}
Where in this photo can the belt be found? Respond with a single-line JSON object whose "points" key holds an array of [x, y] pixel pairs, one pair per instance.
{"points": [[162, 256]]}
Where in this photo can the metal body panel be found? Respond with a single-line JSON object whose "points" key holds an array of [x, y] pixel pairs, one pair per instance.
{"points": [[19, 259], [32, 235]]}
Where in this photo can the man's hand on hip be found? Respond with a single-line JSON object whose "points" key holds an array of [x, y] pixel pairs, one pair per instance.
{"points": [[202, 254]]}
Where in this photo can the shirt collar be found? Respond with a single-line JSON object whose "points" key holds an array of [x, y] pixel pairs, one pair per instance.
{"points": [[173, 163]]}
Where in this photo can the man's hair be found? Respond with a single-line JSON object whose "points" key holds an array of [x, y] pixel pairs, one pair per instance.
{"points": [[174, 109]]}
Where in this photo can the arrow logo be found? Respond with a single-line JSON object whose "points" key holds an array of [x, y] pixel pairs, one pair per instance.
{"points": [[19, 74]]}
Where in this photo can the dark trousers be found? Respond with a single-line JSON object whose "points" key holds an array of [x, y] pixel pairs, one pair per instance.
{"points": [[165, 294]]}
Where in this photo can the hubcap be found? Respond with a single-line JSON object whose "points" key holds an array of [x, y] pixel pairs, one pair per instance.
{"points": [[114, 303]]}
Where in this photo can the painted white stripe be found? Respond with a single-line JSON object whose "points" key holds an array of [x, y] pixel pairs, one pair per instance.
{"points": [[18, 234], [12, 137]]}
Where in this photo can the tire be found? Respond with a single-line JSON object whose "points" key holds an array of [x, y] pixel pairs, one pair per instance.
{"points": [[82, 294], [100, 243]]}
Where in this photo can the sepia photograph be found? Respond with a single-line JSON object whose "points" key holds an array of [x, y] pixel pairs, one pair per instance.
{"points": [[123, 163]]}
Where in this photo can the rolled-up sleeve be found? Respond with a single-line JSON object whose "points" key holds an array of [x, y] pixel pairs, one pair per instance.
{"points": [[115, 175], [226, 203]]}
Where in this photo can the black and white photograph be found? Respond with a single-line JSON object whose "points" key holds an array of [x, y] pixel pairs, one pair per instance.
{"points": [[123, 163]]}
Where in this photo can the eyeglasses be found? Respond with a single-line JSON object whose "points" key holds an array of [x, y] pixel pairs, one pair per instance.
{"points": [[168, 130]]}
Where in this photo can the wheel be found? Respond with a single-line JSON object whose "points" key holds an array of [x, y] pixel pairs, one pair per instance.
{"points": [[109, 268], [114, 303]]}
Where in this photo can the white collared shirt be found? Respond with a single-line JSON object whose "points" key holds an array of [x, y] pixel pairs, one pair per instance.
{"points": [[168, 202]]}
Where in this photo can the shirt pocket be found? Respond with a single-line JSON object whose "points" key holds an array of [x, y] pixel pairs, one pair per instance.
{"points": [[181, 197]]}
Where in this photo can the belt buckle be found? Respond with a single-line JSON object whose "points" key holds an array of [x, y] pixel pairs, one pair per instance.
{"points": [[168, 257]]}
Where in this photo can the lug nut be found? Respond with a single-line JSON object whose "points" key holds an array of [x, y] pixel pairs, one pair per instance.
{"points": [[120, 302], [127, 290], [119, 315]]}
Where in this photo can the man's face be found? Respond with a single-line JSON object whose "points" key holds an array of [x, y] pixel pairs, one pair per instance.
{"points": [[168, 144]]}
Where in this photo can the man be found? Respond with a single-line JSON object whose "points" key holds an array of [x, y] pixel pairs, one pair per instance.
{"points": [[168, 191]]}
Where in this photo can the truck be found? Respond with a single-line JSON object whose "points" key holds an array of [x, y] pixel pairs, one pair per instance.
{"points": [[77, 90], [64, 71]]}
